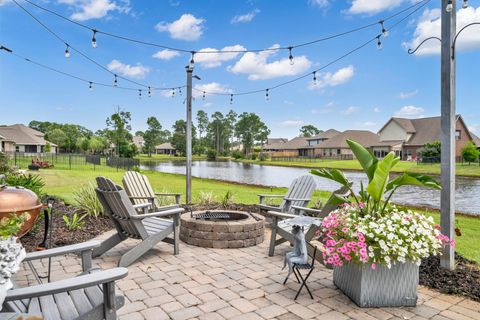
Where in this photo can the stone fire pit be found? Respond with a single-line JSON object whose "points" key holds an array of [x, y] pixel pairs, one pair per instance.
{"points": [[222, 229]]}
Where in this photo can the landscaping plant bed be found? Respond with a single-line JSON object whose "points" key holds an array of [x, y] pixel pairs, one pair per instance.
{"points": [[463, 281]]}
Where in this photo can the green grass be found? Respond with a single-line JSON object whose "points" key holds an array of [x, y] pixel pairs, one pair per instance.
{"points": [[62, 183], [472, 170]]}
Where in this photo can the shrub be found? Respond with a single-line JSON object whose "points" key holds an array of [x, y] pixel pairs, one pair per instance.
{"points": [[254, 156], [237, 155], [75, 222], [227, 199], [86, 199], [262, 157], [165, 201], [31, 181], [470, 153], [211, 154], [206, 198], [5, 168], [10, 226]]}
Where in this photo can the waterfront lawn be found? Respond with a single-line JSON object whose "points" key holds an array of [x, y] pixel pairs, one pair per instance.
{"points": [[63, 183], [403, 166]]}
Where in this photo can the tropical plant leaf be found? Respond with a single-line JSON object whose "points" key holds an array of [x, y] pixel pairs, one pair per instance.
{"points": [[413, 179], [332, 174], [337, 200], [377, 186], [366, 159]]}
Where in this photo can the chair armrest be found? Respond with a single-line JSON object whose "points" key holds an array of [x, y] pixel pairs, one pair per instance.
{"points": [[74, 248], [168, 194], [80, 282], [177, 211], [297, 199], [138, 197], [271, 195], [142, 205], [305, 209], [281, 214]]}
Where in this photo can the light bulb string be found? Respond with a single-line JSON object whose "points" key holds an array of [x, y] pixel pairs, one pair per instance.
{"points": [[90, 82], [326, 38], [316, 71]]}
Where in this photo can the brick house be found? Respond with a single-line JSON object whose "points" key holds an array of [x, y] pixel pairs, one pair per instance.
{"points": [[407, 136], [336, 146]]}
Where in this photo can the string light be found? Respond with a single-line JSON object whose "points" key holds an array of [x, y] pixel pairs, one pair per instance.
{"points": [[314, 78], [379, 43], [465, 4], [231, 98], [149, 92], [115, 82], [267, 95], [94, 39], [139, 93], [180, 91], [384, 31], [203, 96], [290, 56], [90, 86], [449, 6], [173, 92], [67, 52], [192, 61]]}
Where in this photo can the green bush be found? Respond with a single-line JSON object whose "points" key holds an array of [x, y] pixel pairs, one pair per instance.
{"points": [[206, 198], [86, 200], [211, 154], [254, 156], [5, 168], [10, 226], [262, 157], [74, 223], [227, 199], [470, 153], [30, 181], [237, 155]]}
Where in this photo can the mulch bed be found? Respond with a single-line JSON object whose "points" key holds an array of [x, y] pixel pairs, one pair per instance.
{"points": [[463, 281]]}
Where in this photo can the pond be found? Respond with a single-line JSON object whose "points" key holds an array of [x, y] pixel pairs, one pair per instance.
{"points": [[467, 189]]}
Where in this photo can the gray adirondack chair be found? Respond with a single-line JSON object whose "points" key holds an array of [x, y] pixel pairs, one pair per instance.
{"points": [[90, 295], [140, 191], [298, 194], [284, 230], [150, 227]]}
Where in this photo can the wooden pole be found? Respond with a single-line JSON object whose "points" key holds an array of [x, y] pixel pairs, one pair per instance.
{"points": [[448, 117]]}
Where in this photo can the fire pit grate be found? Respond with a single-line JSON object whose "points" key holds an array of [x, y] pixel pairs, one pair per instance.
{"points": [[207, 215]]}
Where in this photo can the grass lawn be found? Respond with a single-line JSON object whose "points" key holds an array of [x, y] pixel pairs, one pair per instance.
{"points": [[402, 166], [63, 183]]}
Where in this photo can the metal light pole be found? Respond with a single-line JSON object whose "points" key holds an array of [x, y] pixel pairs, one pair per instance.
{"points": [[448, 117], [189, 134]]}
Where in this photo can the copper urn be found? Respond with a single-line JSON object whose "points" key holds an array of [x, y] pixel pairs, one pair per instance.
{"points": [[19, 200]]}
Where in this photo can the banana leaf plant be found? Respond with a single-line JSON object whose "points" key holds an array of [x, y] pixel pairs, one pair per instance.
{"points": [[371, 199]]}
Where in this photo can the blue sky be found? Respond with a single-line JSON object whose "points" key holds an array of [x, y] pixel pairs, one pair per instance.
{"points": [[359, 92]]}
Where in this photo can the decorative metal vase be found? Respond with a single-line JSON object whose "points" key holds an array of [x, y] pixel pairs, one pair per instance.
{"points": [[382, 287]]}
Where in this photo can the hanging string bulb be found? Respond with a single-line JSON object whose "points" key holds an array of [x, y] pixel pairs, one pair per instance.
{"points": [[115, 82], [384, 31], [290, 56], [379, 43], [231, 98], [465, 4], [314, 78], [173, 92], [449, 6], [180, 90], [191, 64], [203, 96], [90, 86], [94, 39], [139, 93], [267, 95], [149, 92], [67, 52]]}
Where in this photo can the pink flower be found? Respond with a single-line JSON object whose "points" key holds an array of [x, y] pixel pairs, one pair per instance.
{"points": [[330, 260], [344, 229], [347, 257], [374, 266]]}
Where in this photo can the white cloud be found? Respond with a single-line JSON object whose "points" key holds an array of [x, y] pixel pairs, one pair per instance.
{"points": [[257, 67], [407, 95], [410, 112], [475, 128], [212, 60], [429, 25], [329, 79], [95, 9], [293, 123], [138, 71], [376, 109], [328, 108], [166, 54], [373, 6], [350, 110], [210, 88], [4, 2], [245, 17], [319, 3], [187, 27]]}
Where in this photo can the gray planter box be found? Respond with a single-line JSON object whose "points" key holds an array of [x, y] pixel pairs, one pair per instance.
{"points": [[383, 287]]}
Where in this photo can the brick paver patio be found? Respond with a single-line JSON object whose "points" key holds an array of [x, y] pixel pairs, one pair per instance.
{"points": [[243, 284]]}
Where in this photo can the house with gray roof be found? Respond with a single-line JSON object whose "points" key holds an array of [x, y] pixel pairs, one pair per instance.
{"points": [[20, 138], [337, 146], [407, 136], [165, 148]]}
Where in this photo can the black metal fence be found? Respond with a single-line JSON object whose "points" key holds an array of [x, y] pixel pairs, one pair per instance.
{"points": [[124, 163]]}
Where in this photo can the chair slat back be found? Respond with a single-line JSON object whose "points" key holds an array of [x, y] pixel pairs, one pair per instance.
{"points": [[115, 200], [301, 188], [137, 185], [330, 205]]}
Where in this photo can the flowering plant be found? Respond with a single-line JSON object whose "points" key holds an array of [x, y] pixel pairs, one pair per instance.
{"points": [[348, 235]]}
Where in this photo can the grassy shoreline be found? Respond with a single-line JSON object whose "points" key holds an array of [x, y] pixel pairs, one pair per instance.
{"points": [[63, 183]]}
